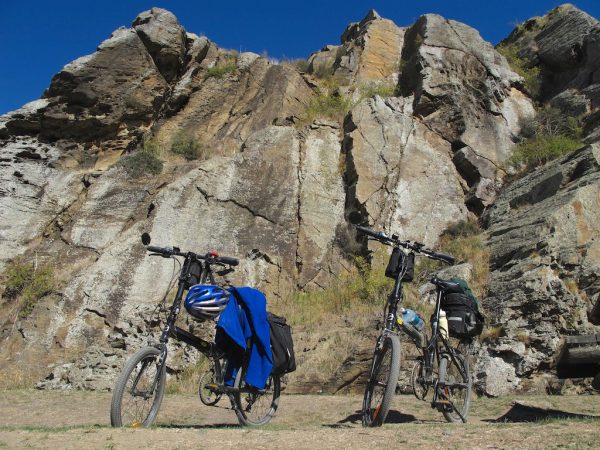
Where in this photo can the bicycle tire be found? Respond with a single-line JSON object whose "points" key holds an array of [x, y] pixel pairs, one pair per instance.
{"points": [[456, 370], [134, 409], [419, 385], [255, 407], [382, 382], [208, 397]]}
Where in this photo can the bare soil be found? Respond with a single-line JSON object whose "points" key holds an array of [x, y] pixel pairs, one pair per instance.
{"points": [[65, 420]]}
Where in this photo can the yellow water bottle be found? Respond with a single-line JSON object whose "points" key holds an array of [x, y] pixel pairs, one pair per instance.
{"points": [[443, 324]]}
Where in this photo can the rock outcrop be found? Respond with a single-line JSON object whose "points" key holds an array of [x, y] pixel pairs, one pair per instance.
{"points": [[369, 52], [545, 263]]}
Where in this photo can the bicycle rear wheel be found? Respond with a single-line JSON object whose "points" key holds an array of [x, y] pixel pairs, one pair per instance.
{"points": [[255, 406], [382, 382], [455, 380], [139, 390]]}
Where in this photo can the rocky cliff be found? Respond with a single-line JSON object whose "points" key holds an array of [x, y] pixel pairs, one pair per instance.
{"points": [[274, 184]]}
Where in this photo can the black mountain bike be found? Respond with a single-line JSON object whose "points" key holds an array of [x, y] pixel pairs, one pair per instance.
{"points": [[140, 388], [452, 382]]}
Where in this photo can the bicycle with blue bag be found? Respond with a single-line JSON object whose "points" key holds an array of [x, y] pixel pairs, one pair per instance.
{"points": [[139, 390]]}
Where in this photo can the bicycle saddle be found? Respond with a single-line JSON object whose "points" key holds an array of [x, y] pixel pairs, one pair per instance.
{"points": [[447, 285]]}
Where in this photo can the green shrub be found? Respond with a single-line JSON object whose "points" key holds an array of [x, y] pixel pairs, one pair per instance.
{"points": [[141, 163], [550, 135], [220, 70], [531, 75], [541, 149], [186, 146], [27, 284]]}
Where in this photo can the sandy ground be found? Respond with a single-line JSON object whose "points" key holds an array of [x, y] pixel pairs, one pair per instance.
{"points": [[65, 420]]}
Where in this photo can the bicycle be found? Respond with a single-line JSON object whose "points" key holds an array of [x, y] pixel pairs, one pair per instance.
{"points": [[452, 384], [140, 388]]}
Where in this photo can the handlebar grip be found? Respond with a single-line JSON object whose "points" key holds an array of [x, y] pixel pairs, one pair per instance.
{"points": [[444, 257], [368, 231], [228, 260], [152, 248]]}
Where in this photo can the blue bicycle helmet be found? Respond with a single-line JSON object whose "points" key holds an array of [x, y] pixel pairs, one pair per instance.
{"points": [[205, 302]]}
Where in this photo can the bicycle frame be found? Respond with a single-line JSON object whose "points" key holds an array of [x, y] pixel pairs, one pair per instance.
{"points": [[203, 346]]}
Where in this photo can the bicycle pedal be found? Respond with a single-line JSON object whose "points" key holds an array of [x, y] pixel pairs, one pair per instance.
{"points": [[213, 387]]}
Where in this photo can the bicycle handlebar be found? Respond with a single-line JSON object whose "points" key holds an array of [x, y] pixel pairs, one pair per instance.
{"points": [[414, 246], [167, 252]]}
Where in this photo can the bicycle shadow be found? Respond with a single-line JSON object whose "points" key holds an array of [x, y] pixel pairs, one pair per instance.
{"points": [[356, 419]]}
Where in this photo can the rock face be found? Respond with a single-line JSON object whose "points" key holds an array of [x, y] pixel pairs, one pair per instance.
{"points": [[465, 91], [274, 190], [545, 263]]}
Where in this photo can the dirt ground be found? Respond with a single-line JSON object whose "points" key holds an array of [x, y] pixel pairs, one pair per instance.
{"points": [[77, 420]]}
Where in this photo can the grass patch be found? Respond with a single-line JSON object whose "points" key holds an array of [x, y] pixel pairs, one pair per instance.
{"points": [[219, 71], [530, 74], [27, 283], [225, 67], [550, 135], [188, 147], [333, 106], [465, 241], [186, 382], [539, 150], [361, 291], [384, 89]]}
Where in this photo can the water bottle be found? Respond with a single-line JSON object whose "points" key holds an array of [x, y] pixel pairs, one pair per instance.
{"points": [[443, 325], [412, 318]]}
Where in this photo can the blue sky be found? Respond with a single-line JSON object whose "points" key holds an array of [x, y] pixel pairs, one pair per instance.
{"points": [[39, 37]]}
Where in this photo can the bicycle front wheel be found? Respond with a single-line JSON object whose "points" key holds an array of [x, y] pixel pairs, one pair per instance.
{"points": [[382, 382], [455, 379], [255, 406], [139, 390]]}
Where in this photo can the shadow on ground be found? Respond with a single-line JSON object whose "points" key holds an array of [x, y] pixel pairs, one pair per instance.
{"points": [[392, 417], [523, 412]]}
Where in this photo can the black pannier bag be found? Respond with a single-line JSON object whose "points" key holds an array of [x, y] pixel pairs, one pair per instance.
{"points": [[282, 345], [464, 318], [398, 263]]}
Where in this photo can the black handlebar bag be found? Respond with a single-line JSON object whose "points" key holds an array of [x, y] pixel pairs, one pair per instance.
{"points": [[399, 263]]}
